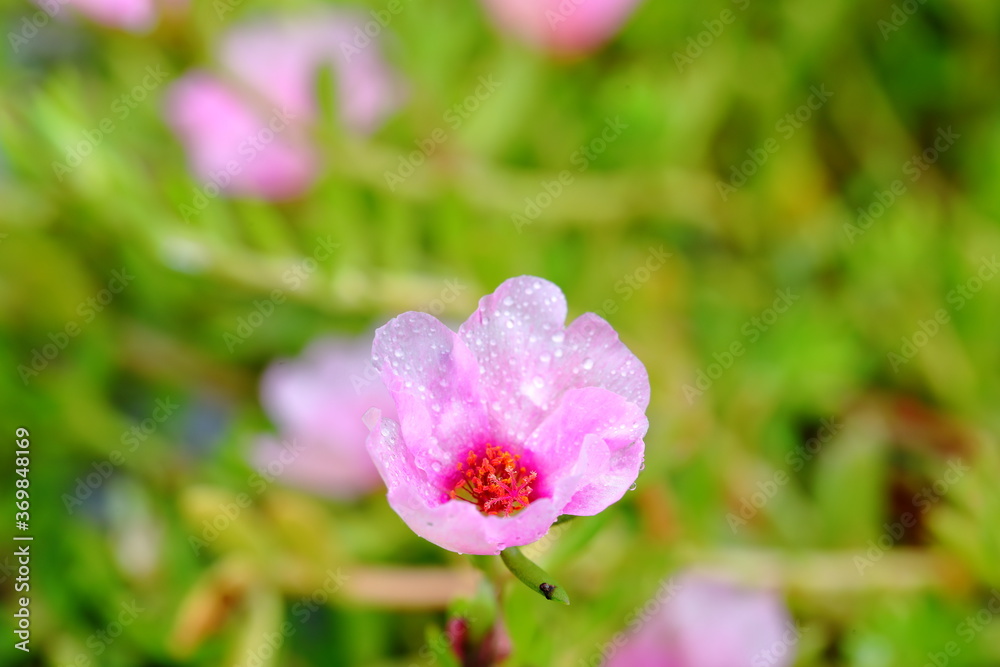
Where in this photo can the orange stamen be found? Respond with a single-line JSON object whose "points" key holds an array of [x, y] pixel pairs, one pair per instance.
{"points": [[496, 483]]}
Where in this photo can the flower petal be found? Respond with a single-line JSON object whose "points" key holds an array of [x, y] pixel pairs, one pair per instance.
{"points": [[511, 333], [565, 437], [321, 466], [434, 381], [215, 124], [459, 526], [595, 357], [280, 56], [711, 623], [393, 460], [530, 360]]}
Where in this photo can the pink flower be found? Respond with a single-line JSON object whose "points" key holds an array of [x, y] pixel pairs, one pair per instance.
{"points": [[132, 15], [706, 623], [317, 403], [250, 134], [561, 26], [509, 423], [224, 137]]}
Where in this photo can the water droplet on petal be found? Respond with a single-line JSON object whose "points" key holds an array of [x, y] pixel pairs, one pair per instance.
{"points": [[508, 301], [510, 324], [588, 364], [538, 382], [558, 337], [632, 488]]}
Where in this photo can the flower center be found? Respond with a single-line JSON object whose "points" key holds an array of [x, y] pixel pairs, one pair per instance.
{"points": [[495, 483]]}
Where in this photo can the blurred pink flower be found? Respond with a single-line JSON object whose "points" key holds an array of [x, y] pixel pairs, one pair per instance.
{"points": [[707, 623], [248, 132], [317, 402], [561, 26], [234, 145], [133, 15], [509, 423]]}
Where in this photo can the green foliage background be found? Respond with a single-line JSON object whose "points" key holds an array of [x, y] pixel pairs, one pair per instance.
{"points": [[693, 113]]}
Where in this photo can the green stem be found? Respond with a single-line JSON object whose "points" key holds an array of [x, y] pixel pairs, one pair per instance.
{"points": [[533, 576]]}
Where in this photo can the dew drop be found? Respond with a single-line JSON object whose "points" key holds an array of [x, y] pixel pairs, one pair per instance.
{"points": [[538, 382], [588, 364], [632, 488], [558, 337], [546, 358], [510, 324], [436, 466], [508, 301], [558, 353]]}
